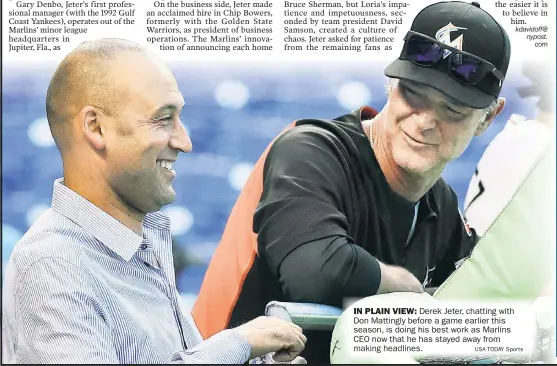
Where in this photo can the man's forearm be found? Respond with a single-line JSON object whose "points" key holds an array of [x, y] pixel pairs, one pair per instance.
{"points": [[327, 271], [397, 279]]}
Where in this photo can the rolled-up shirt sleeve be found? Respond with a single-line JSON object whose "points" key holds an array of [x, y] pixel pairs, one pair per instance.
{"points": [[226, 347], [59, 320]]}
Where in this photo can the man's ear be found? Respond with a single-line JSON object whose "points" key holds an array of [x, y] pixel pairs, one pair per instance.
{"points": [[489, 117], [92, 126]]}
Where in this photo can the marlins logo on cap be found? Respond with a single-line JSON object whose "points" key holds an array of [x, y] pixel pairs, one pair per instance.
{"points": [[444, 35]]}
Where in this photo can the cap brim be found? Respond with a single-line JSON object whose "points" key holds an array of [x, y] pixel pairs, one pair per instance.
{"points": [[441, 81]]}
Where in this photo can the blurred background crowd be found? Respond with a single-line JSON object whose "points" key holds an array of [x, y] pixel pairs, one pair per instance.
{"points": [[232, 112]]}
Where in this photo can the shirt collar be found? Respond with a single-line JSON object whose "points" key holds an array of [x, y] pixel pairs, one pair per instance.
{"points": [[430, 203], [105, 228]]}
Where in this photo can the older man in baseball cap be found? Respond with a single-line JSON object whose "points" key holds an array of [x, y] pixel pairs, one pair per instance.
{"points": [[356, 206]]}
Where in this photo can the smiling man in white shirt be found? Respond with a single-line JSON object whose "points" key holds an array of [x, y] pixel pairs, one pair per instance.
{"points": [[92, 281]]}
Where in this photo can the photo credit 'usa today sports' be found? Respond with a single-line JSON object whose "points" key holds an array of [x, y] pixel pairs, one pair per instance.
{"points": [[384, 329]]}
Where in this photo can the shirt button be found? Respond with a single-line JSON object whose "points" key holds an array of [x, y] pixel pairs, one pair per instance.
{"points": [[143, 246]]}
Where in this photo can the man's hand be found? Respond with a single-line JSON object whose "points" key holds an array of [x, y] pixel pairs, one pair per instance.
{"points": [[397, 279], [271, 334]]}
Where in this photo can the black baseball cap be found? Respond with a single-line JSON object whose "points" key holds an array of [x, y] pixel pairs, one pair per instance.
{"points": [[482, 36]]}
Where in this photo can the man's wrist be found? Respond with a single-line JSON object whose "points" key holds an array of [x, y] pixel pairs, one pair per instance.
{"points": [[225, 347]]}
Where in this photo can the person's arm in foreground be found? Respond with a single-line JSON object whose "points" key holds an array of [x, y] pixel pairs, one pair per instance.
{"points": [[60, 321], [302, 231]]}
